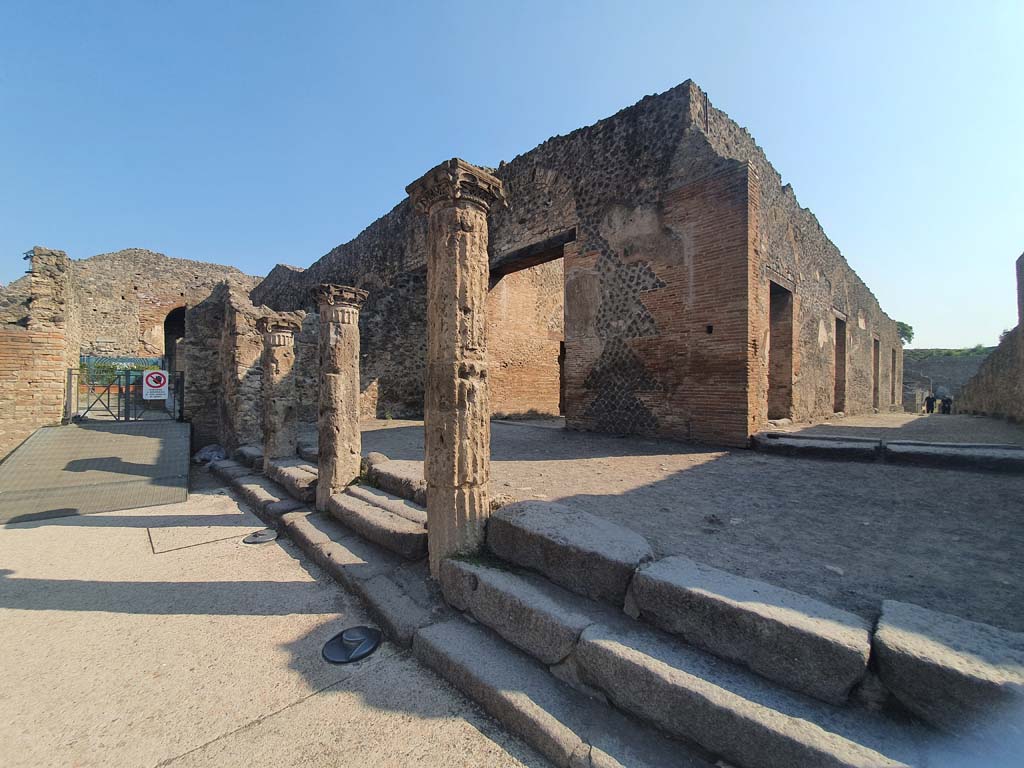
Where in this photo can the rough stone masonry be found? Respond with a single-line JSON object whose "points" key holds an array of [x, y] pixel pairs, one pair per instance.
{"points": [[650, 275]]}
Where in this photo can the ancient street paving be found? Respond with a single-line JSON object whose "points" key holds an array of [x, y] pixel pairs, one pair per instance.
{"points": [[80, 469], [932, 428], [154, 637], [850, 534]]}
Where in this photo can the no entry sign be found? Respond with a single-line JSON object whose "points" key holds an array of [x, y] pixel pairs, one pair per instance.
{"points": [[154, 385]]}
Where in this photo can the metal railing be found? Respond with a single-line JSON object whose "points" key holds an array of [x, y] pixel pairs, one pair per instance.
{"points": [[118, 396]]}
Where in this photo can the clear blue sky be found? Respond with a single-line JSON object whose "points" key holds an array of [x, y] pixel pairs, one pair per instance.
{"points": [[251, 133]]}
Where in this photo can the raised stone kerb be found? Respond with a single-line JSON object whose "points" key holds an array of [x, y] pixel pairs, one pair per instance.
{"points": [[454, 180], [456, 413], [339, 439]]}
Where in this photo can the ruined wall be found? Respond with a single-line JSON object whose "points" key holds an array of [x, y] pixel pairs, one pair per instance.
{"points": [[792, 250], [943, 371], [671, 222], [998, 387], [524, 340], [124, 297], [34, 349]]}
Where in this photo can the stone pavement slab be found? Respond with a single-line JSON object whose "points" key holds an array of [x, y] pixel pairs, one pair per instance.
{"points": [[117, 656]]}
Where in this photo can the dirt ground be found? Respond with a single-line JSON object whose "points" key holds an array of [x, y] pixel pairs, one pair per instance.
{"points": [[850, 534]]}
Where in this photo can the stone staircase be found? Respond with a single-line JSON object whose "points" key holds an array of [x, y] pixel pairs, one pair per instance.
{"points": [[571, 633]]}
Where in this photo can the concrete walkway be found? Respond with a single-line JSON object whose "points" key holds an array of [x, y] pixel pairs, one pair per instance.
{"points": [[154, 637], [82, 469]]}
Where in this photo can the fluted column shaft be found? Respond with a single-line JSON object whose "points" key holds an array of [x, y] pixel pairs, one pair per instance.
{"points": [[279, 417], [456, 197], [340, 442]]}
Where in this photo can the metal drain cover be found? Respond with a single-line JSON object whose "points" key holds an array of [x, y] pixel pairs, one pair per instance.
{"points": [[352, 644], [261, 537]]}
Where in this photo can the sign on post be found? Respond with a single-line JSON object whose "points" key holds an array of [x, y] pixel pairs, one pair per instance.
{"points": [[154, 385]]}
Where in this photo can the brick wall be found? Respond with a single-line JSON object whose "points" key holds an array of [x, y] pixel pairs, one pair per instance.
{"points": [[32, 382], [524, 339]]}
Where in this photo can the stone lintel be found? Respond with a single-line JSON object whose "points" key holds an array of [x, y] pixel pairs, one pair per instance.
{"points": [[455, 180]]}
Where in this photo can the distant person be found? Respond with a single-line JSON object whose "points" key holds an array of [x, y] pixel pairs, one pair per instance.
{"points": [[929, 404], [947, 405]]}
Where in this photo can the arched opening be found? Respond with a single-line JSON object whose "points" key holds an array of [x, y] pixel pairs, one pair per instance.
{"points": [[174, 339]]}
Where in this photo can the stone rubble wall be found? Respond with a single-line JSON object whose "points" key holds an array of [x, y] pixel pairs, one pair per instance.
{"points": [[945, 374], [124, 298], [998, 387], [670, 222]]}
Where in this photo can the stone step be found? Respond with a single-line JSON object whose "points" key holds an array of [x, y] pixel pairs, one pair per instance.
{"points": [[297, 475], [266, 497], [401, 478], [797, 641], [395, 504], [583, 553], [393, 532], [841, 449], [250, 456], [308, 448], [684, 691], [954, 673], [567, 727]]}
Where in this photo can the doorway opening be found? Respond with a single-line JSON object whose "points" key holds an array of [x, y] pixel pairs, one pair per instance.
{"points": [[174, 339], [892, 379], [839, 397], [780, 353], [526, 331], [875, 370]]}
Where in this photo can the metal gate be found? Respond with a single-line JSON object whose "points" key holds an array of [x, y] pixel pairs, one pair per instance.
{"points": [[117, 396]]}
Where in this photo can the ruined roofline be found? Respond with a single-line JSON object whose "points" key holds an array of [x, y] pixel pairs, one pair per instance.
{"points": [[767, 174], [145, 253], [687, 85]]}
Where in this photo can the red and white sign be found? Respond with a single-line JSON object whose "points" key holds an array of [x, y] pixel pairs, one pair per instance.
{"points": [[154, 385]]}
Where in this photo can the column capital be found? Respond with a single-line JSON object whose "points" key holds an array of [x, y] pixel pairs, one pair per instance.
{"points": [[331, 295], [454, 180], [277, 332]]}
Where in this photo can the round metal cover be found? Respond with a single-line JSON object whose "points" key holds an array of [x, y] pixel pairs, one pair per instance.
{"points": [[353, 644], [260, 537]]}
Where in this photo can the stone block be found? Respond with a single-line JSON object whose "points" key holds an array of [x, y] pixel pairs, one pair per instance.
{"points": [[565, 726], [583, 553], [795, 640], [395, 611], [528, 612], [728, 711], [402, 478], [401, 536], [951, 672]]}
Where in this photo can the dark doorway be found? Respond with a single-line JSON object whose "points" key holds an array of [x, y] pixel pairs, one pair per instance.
{"points": [[780, 353], [174, 336], [892, 379], [875, 370], [839, 398]]}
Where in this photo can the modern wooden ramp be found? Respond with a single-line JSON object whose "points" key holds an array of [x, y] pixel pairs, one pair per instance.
{"points": [[81, 469]]}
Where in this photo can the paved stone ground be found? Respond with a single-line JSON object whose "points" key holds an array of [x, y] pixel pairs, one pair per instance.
{"points": [[80, 469], [154, 637], [934, 428], [850, 534]]}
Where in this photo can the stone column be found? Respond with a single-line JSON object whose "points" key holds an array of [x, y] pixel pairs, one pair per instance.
{"points": [[340, 443], [456, 197], [279, 422]]}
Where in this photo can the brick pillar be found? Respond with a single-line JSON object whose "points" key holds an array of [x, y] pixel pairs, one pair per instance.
{"points": [[456, 197], [279, 418], [338, 417]]}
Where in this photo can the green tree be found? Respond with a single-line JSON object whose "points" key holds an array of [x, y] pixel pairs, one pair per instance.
{"points": [[905, 331]]}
